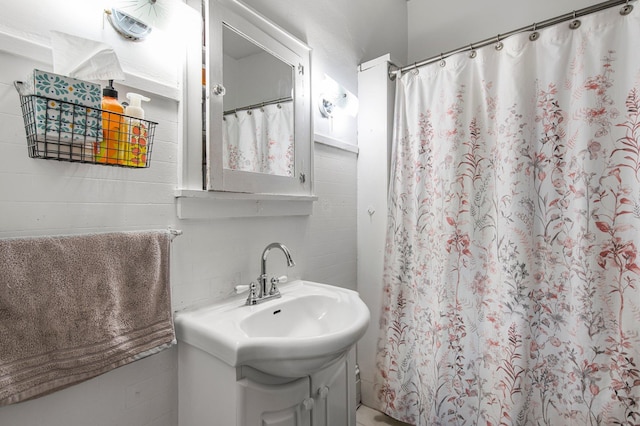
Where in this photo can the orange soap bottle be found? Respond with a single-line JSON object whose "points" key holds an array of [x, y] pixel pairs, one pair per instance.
{"points": [[109, 150]]}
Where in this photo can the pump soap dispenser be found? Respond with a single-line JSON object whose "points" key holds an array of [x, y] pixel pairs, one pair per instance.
{"points": [[137, 136], [109, 150]]}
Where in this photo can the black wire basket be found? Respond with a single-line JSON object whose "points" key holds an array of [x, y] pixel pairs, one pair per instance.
{"points": [[64, 131]]}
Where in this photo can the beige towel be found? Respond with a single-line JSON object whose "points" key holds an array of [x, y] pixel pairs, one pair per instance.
{"points": [[74, 307]]}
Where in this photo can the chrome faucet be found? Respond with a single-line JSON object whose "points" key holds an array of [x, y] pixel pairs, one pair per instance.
{"points": [[262, 293]]}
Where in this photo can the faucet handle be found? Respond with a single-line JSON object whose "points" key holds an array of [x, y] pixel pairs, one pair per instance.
{"points": [[253, 296], [281, 279], [274, 284], [242, 288]]}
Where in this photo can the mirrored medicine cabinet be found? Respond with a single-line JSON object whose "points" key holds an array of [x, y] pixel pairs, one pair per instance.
{"points": [[255, 103]]}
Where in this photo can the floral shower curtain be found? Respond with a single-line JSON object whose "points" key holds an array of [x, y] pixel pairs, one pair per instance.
{"points": [[260, 140], [512, 276]]}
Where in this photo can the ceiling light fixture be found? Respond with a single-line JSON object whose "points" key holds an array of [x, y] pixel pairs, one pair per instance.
{"points": [[134, 19]]}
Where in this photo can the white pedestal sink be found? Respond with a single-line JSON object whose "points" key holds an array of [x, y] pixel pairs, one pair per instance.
{"points": [[307, 329]]}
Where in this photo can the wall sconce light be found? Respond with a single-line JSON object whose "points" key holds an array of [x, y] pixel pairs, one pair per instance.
{"points": [[134, 19], [335, 99]]}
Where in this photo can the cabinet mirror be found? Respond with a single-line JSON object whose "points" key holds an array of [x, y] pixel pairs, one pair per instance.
{"points": [[257, 104], [257, 128]]}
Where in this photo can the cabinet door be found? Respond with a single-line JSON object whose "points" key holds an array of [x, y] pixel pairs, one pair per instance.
{"points": [[331, 390], [274, 405], [247, 91]]}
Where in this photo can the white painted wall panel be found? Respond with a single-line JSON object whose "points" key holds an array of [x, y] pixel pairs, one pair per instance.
{"points": [[374, 126], [46, 197]]}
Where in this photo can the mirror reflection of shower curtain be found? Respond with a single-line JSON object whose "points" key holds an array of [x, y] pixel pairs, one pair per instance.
{"points": [[260, 140]]}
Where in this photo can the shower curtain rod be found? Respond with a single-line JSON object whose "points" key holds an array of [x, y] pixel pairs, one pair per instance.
{"points": [[572, 16], [261, 104]]}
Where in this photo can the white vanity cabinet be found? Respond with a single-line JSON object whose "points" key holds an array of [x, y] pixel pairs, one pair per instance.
{"points": [[289, 361], [211, 393]]}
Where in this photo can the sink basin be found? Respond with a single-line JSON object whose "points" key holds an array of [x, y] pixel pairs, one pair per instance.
{"points": [[310, 327]]}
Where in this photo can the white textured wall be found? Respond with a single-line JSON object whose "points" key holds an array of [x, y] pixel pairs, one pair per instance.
{"points": [[40, 197], [437, 27]]}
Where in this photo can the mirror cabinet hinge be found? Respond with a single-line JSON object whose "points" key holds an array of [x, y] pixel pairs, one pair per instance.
{"points": [[300, 69]]}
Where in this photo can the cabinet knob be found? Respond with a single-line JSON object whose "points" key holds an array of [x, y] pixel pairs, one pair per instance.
{"points": [[308, 404], [323, 392], [218, 90]]}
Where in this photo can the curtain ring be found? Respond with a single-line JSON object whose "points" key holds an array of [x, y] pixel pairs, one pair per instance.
{"points": [[575, 23], [626, 9], [472, 51], [535, 34], [442, 61], [499, 45], [415, 70]]}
